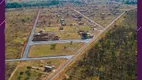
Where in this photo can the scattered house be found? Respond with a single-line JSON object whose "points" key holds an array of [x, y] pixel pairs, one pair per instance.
{"points": [[90, 35], [94, 29], [94, 26], [48, 68], [85, 34], [56, 38], [83, 11], [102, 15], [44, 36], [80, 23], [62, 21], [79, 18], [74, 16]]}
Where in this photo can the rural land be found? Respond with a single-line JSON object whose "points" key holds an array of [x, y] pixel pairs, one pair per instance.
{"points": [[71, 39]]}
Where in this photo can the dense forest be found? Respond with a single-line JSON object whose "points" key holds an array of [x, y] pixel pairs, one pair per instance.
{"points": [[113, 57], [127, 1], [30, 4], [37, 4]]}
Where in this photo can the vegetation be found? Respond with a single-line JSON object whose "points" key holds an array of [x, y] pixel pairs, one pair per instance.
{"points": [[130, 2], [53, 46], [54, 49], [10, 66], [28, 4], [113, 57], [34, 70], [18, 26], [37, 3]]}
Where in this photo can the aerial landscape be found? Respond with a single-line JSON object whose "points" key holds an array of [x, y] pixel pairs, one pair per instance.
{"points": [[71, 39]]}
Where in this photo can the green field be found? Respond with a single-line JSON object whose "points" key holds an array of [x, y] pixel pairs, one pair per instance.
{"points": [[66, 29], [50, 50]]}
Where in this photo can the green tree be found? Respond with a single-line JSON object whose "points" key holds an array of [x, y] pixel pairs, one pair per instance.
{"points": [[53, 46]]}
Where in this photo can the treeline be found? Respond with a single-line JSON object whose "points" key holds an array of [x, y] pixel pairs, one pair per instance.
{"points": [[30, 4], [127, 1], [41, 4], [113, 57], [130, 2]]}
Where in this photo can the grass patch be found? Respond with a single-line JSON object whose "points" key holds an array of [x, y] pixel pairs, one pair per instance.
{"points": [[51, 50], [66, 35], [66, 28]]}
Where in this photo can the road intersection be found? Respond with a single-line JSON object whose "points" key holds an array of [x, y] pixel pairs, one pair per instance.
{"points": [[70, 58], [79, 52]]}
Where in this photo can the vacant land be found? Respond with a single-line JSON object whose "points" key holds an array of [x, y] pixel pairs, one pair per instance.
{"points": [[19, 23], [66, 29], [34, 70], [54, 49], [112, 55]]}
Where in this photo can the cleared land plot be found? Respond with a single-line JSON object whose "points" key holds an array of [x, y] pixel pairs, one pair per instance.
{"points": [[54, 49], [34, 70], [66, 29], [68, 35], [18, 26]]}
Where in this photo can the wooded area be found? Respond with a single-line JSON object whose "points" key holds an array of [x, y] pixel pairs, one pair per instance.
{"points": [[113, 57]]}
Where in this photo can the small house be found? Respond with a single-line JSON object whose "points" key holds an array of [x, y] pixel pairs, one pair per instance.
{"points": [[48, 68]]}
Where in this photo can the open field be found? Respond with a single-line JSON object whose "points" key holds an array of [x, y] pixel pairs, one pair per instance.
{"points": [[34, 70], [68, 35], [18, 26], [50, 50], [66, 29]]}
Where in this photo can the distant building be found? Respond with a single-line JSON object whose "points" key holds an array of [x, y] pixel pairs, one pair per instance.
{"points": [[62, 21], [43, 36], [85, 35], [48, 68]]}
